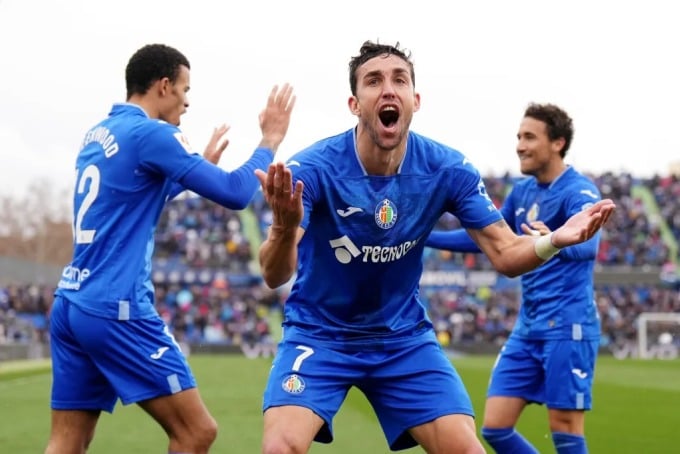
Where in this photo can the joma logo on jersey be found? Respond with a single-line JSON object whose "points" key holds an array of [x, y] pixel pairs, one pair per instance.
{"points": [[385, 214], [346, 250]]}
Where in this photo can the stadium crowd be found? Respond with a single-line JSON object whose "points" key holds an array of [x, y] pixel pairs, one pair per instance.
{"points": [[211, 307]]}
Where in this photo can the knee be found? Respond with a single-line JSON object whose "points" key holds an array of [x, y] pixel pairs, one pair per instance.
{"points": [[197, 439], [282, 445], [57, 447], [76, 444], [567, 421], [207, 434]]}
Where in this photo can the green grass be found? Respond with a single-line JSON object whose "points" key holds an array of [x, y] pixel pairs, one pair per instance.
{"points": [[637, 410]]}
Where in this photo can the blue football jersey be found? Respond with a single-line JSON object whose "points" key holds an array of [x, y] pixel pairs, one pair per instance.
{"points": [[124, 173], [360, 259], [557, 297]]}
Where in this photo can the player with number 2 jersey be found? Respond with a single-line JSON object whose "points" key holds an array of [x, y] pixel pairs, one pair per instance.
{"points": [[108, 341]]}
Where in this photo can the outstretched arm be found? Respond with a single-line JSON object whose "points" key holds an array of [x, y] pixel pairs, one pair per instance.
{"points": [[577, 252], [452, 240], [235, 189], [213, 152], [278, 253], [513, 255]]}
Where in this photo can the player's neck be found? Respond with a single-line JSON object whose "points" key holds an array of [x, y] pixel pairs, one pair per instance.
{"points": [[551, 172], [376, 160], [146, 105]]}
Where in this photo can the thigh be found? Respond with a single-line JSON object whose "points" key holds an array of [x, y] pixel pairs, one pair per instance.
{"points": [[140, 358], [447, 434], [312, 377], [570, 366], [290, 428], [181, 415], [412, 387], [501, 412], [77, 382], [518, 371]]}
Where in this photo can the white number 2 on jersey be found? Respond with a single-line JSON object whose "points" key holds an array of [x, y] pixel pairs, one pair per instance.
{"points": [[91, 174]]}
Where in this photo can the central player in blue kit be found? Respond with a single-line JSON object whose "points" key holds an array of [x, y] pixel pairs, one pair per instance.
{"points": [[351, 214]]}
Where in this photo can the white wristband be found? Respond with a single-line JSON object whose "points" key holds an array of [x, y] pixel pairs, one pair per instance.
{"points": [[544, 247]]}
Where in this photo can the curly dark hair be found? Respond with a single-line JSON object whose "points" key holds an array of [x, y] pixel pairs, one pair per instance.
{"points": [[369, 50], [558, 123], [151, 63]]}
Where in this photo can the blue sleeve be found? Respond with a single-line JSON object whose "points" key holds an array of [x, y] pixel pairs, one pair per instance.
{"points": [[582, 251], [453, 240], [576, 201], [468, 200], [175, 190], [164, 150], [233, 190]]}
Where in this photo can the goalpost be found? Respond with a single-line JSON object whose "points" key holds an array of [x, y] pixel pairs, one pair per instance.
{"points": [[660, 340]]}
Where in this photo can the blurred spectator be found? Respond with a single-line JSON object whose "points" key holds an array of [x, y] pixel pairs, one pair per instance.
{"points": [[200, 235]]}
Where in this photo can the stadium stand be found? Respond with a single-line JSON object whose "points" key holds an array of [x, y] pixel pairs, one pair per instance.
{"points": [[210, 293]]}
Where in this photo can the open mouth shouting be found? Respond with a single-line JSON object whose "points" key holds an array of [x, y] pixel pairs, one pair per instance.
{"points": [[389, 116]]}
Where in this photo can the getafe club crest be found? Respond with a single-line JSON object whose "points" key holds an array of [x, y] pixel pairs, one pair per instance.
{"points": [[532, 214], [385, 214], [293, 384]]}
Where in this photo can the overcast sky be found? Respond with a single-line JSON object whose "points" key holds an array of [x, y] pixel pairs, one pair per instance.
{"points": [[612, 65]]}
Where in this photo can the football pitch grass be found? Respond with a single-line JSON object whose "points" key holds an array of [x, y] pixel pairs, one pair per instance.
{"points": [[636, 410]]}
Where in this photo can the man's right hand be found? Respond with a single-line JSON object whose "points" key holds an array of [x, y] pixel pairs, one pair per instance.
{"points": [[275, 117], [284, 198], [583, 225]]}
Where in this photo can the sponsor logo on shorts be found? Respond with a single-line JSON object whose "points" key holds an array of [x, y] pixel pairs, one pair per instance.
{"points": [[293, 384]]}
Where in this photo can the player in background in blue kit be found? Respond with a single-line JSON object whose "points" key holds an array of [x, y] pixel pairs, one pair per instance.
{"points": [[550, 355], [107, 340], [351, 214]]}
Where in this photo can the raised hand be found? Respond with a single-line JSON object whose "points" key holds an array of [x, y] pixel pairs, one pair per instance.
{"points": [[275, 117], [213, 151], [583, 225], [284, 199]]}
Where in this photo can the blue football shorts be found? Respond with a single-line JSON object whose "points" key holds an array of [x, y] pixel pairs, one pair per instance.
{"points": [[95, 360], [406, 387], [557, 373]]}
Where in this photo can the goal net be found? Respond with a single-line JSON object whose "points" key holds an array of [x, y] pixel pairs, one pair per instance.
{"points": [[658, 335]]}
